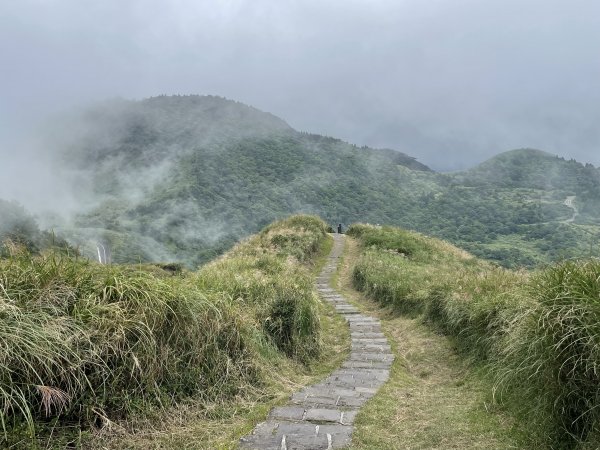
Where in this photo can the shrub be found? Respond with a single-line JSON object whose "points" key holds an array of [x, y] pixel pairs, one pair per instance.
{"points": [[389, 238]]}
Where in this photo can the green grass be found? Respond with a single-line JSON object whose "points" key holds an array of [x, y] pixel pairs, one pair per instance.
{"points": [[432, 399], [537, 334], [85, 346], [555, 345]]}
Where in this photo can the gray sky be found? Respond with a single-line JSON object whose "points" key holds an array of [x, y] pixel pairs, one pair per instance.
{"points": [[451, 82]]}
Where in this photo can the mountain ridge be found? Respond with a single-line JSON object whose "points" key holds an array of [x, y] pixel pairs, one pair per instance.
{"points": [[184, 177]]}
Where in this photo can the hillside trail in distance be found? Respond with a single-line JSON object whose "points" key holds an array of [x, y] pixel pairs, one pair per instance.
{"points": [[321, 416], [569, 202]]}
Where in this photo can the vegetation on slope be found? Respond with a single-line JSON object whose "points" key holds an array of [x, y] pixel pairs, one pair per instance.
{"points": [[21, 228], [183, 178], [537, 333], [87, 344], [432, 399], [520, 216]]}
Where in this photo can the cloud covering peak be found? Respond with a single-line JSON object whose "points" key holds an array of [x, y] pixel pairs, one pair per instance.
{"points": [[451, 83]]}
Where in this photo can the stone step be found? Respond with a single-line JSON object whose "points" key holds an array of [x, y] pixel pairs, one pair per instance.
{"points": [[367, 365], [366, 334]]}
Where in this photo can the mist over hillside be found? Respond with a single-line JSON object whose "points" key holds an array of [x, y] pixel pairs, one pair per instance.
{"points": [[18, 226], [184, 177]]}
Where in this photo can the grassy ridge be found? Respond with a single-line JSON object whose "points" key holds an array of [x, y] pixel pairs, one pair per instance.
{"points": [[85, 344], [538, 333]]}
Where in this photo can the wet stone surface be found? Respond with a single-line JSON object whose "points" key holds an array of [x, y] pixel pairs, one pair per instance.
{"points": [[321, 416]]}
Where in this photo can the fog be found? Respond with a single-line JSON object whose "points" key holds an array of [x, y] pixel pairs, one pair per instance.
{"points": [[449, 82]]}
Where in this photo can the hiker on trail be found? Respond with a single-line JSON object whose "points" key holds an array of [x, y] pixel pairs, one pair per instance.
{"points": [[339, 228]]}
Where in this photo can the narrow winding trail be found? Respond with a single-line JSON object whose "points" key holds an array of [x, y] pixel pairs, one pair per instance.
{"points": [[321, 416], [569, 203]]}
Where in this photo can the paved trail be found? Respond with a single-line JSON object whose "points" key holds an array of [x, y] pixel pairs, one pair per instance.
{"points": [[321, 416], [569, 202]]}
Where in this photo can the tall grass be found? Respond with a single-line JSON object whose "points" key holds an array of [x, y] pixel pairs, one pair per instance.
{"points": [[552, 351], [89, 344], [264, 275], [539, 334]]}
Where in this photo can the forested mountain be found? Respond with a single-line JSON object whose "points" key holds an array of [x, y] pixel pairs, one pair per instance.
{"points": [[528, 207], [183, 177]]}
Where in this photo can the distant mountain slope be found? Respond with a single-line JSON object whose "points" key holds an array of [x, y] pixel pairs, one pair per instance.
{"points": [[193, 174], [18, 226], [534, 185], [535, 169], [184, 177]]}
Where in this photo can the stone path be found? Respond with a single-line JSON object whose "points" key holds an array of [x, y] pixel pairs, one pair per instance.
{"points": [[321, 416]]}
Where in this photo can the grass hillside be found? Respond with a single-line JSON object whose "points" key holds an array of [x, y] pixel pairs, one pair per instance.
{"points": [[535, 333], [87, 345], [182, 178]]}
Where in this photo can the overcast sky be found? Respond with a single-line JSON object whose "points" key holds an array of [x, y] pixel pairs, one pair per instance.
{"points": [[451, 82]]}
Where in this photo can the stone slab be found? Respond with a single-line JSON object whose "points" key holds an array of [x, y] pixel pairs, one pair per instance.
{"points": [[323, 415], [348, 417], [287, 412]]}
